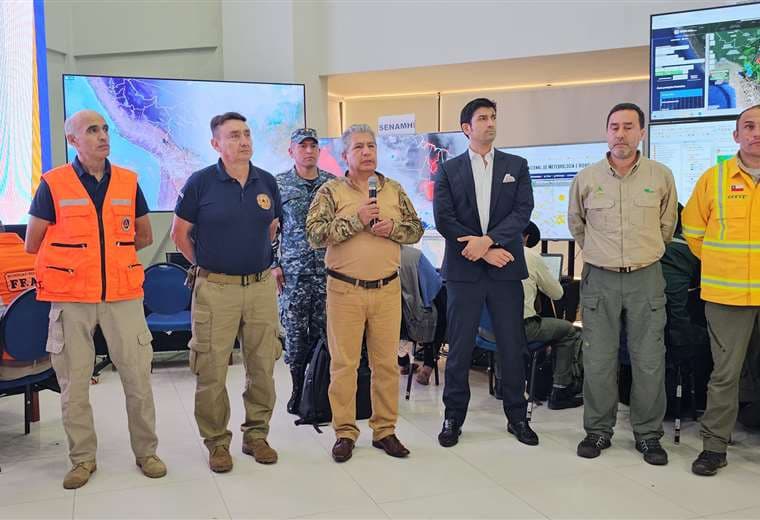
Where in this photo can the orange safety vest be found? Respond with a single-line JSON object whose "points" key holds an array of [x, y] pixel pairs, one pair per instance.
{"points": [[16, 268], [16, 276], [83, 258]]}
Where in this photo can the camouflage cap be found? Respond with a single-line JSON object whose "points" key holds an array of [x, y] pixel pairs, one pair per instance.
{"points": [[302, 134]]}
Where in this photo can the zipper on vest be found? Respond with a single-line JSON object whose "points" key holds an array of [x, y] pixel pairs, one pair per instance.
{"points": [[132, 266], [79, 246], [125, 243], [102, 256], [64, 269]]}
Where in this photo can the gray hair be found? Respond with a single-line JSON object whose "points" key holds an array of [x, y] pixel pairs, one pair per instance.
{"points": [[68, 126], [345, 138]]}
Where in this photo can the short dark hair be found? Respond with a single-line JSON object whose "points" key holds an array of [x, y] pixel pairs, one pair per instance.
{"points": [[744, 112], [219, 120], [469, 109], [626, 106], [533, 233]]}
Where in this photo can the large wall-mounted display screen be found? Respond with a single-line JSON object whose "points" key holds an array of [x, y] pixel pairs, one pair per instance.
{"points": [[160, 127], [689, 149], [412, 160], [552, 169], [705, 63], [24, 121]]}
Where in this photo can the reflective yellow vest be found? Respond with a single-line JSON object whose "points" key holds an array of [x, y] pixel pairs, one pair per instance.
{"points": [[721, 223]]}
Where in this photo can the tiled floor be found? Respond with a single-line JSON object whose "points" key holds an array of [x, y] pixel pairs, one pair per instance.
{"points": [[488, 475]]}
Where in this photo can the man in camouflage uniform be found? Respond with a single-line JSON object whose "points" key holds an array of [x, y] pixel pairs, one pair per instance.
{"points": [[299, 270]]}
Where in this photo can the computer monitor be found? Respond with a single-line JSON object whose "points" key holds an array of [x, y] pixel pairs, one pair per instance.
{"points": [[554, 262], [689, 149], [704, 63], [160, 127]]}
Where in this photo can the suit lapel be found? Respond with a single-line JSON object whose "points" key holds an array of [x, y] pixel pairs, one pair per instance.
{"points": [[497, 176], [468, 183]]}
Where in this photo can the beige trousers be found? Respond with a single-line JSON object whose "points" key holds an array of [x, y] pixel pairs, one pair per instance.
{"points": [[221, 313], [352, 311], [72, 353]]}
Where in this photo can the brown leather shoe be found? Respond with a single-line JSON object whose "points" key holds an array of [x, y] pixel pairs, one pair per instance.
{"points": [[220, 460], [392, 446], [423, 376], [342, 449], [260, 450]]}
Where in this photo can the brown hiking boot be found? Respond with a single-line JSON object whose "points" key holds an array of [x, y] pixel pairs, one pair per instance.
{"points": [[260, 450], [79, 475], [152, 466], [220, 460]]}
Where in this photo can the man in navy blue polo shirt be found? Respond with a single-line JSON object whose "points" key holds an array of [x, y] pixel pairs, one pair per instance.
{"points": [[224, 223]]}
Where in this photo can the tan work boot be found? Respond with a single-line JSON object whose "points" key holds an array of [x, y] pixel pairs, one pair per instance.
{"points": [[79, 475], [261, 451], [220, 460], [152, 466]]}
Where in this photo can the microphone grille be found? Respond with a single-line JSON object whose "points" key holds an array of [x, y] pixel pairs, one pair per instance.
{"points": [[372, 182]]}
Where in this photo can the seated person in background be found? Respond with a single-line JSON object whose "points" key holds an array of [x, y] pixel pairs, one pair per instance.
{"points": [[423, 310], [565, 339], [16, 276]]}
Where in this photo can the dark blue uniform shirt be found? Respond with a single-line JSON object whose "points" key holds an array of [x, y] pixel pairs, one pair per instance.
{"points": [[43, 207], [231, 222]]}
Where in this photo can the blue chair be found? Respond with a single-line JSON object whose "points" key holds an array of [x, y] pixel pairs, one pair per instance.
{"points": [[23, 335], [167, 300], [487, 341]]}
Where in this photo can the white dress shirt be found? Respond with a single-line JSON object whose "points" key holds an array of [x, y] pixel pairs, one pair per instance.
{"points": [[482, 172]]}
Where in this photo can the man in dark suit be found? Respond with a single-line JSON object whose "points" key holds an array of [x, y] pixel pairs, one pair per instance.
{"points": [[483, 201]]}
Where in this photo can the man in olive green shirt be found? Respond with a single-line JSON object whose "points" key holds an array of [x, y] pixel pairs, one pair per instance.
{"points": [[622, 212]]}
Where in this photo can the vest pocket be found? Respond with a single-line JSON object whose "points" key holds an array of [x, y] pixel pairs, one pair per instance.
{"points": [[76, 219], [131, 277], [61, 279]]}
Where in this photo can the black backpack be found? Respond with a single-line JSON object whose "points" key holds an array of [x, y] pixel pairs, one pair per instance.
{"points": [[314, 407]]}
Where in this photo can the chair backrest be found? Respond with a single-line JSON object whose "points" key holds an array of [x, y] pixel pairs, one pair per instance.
{"points": [[164, 287], [24, 327]]}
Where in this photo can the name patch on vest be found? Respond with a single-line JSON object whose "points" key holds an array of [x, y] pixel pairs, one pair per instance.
{"points": [[20, 280]]}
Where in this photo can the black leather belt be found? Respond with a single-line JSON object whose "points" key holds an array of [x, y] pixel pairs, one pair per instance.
{"points": [[366, 284], [621, 269]]}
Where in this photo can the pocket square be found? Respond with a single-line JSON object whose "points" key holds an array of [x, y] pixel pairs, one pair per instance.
{"points": [[508, 178]]}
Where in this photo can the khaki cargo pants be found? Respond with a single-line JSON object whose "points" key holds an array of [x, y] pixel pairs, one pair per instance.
{"points": [[222, 311], [72, 353]]}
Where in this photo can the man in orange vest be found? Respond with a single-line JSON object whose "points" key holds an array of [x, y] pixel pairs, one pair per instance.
{"points": [[88, 219], [721, 223]]}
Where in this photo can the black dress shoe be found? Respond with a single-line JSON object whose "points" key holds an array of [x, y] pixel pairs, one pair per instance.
{"points": [[392, 446], [343, 449], [450, 433], [523, 432]]}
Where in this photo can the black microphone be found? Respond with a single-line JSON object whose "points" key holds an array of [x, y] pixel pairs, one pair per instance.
{"points": [[373, 195]]}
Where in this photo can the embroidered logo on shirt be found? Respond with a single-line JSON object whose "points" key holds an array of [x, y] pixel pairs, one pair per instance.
{"points": [[599, 189], [264, 201], [648, 190], [508, 178], [737, 187]]}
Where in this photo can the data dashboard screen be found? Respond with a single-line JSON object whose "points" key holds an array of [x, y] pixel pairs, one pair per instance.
{"points": [[705, 62], [689, 149], [552, 170], [160, 127]]}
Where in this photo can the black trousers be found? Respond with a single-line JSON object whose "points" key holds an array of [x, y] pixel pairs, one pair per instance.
{"points": [[504, 300]]}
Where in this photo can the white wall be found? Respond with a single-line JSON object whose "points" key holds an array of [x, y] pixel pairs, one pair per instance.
{"points": [[365, 35]]}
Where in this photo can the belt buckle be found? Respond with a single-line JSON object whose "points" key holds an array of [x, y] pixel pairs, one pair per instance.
{"points": [[625, 269], [244, 280], [374, 284]]}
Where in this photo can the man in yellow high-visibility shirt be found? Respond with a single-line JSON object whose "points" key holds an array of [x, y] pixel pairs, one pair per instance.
{"points": [[721, 223]]}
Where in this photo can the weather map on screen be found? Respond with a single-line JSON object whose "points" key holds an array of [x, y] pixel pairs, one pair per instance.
{"points": [[552, 170], [705, 62], [24, 122], [160, 127], [412, 160], [689, 149]]}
